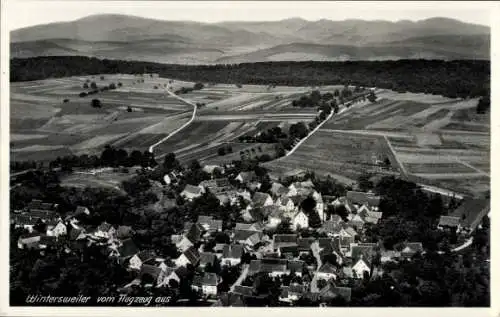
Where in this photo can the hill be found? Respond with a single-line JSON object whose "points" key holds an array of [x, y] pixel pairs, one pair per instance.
{"points": [[136, 38]]}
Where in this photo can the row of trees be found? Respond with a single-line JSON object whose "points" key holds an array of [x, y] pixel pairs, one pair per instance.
{"points": [[458, 78]]}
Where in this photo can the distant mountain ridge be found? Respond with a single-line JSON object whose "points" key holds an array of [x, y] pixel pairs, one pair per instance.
{"points": [[130, 37]]}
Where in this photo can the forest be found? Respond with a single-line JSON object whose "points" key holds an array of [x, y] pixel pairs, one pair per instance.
{"points": [[458, 78]]}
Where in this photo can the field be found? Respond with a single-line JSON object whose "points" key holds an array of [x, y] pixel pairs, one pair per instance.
{"points": [[428, 139], [41, 117], [107, 179]]}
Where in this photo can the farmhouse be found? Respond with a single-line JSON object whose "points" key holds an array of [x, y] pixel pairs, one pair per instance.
{"points": [[246, 177], [207, 284], [471, 212], [362, 198], [190, 192], [138, 259], [449, 222], [247, 237]]}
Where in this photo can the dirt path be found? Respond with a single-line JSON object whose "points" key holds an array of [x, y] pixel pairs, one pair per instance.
{"points": [[152, 147], [242, 277]]}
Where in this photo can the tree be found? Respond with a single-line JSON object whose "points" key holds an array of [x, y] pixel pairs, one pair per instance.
{"points": [[170, 162], [96, 103], [112, 86], [93, 85], [120, 84], [221, 151], [372, 97], [483, 105], [85, 86], [102, 77], [65, 100], [129, 109], [198, 86], [82, 94]]}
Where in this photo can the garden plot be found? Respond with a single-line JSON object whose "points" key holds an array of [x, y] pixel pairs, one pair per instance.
{"points": [[438, 168]]}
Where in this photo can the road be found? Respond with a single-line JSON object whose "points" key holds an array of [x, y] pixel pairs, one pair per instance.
{"points": [[315, 250], [242, 277], [195, 108]]}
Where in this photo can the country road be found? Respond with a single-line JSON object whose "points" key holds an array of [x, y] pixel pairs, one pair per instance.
{"points": [[152, 147], [242, 277]]}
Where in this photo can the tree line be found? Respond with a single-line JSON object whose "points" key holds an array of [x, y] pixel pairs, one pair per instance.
{"points": [[457, 78]]}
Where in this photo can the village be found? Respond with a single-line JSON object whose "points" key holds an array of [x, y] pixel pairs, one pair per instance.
{"points": [[293, 240]]}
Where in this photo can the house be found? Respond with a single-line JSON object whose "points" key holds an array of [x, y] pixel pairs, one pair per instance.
{"points": [[362, 256], [343, 201], [331, 227], [81, 210], [292, 293], [449, 222], [124, 232], [247, 237], [246, 177], [231, 254], [190, 256], [152, 271], [58, 230], [471, 212], [172, 274], [243, 291], [29, 241], [410, 249], [209, 224], [285, 203], [138, 259], [76, 234], [278, 190], [126, 250], [260, 200], [256, 226], [104, 231], [193, 231], [296, 267], [206, 283], [182, 243], [300, 220], [190, 192], [331, 246], [273, 266], [327, 271], [275, 216], [207, 258], [362, 198], [330, 291], [389, 255], [25, 221], [356, 222], [284, 240], [304, 245]]}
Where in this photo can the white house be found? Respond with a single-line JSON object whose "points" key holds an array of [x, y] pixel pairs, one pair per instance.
{"points": [[231, 254], [104, 230], [206, 283], [190, 192], [326, 272], [360, 267], [285, 203], [138, 259], [300, 220], [59, 230], [190, 256], [262, 200]]}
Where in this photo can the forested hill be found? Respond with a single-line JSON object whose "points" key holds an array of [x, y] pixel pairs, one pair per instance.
{"points": [[460, 78]]}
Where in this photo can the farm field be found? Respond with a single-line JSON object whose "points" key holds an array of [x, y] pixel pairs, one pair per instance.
{"points": [[341, 154], [429, 139], [107, 179], [51, 113]]}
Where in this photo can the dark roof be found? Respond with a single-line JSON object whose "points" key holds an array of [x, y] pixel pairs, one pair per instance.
{"points": [[327, 268], [215, 225], [195, 190], [48, 240], [152, 270], [192, 255], [365, 253], [43, 214], [194, 233], [243, 290], [344, 292], [74, 233], [331, 226], [471, 212], [259, 199], [345, 242], [210, 279], [269, 265], [362, 198], [233, 251], [80, 210], [296, 265], [46, 206], [285, 238], [124, 232], [247, 176], [204, 219], [104, 227], [304, 244], [241, 235], [206, 258], [181, 271], [449, 221], [146, 255], [128, 248], [25, 219]]}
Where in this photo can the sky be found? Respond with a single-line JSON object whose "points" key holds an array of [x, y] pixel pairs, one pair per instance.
{"points": [[23, 13]]}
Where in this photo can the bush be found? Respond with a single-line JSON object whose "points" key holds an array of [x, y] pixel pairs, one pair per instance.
{"points": [[66, 100], [96, 103], [221, 151], [82, 94], [198, 86], [120, 84], [112, 86], [102, 77], [85, 86], [93, 85], [129, 109]]}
